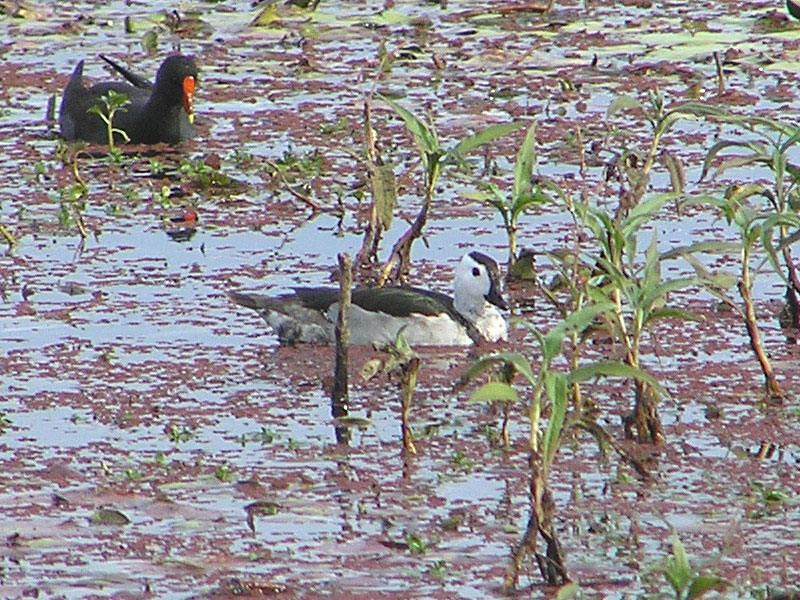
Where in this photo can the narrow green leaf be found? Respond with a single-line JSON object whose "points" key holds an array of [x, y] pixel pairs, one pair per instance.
{"points": [[494, 391], [677, 175], [621, 103], [680, 562], [658, 292], [556, 386], [567, 591], [485, 136], [705, 583], [523, 169], [702, 247], [793, 139], [652, 265], [671, 313], [491, 361], [740, 193], [612, 368], [551, 344], [424, 138], [715, 150], [646, 210], [384, 193]]}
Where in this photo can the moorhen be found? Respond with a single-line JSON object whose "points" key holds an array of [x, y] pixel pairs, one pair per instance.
{"points": [[427, 318], [156, 113]]}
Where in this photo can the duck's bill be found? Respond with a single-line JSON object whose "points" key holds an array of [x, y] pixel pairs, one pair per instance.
{"points": [[188, 97], [495, 298]]}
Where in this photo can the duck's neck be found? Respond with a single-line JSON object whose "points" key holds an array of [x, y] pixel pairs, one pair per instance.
{"points": [[470, 308]]}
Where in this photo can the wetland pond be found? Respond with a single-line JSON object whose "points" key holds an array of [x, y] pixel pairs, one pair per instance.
{"points": [[157, 442]]}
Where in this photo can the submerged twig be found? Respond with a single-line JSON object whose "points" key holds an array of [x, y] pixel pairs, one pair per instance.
{"points": [[7, 235], [339, 392], [720, 74], [303, 198]]}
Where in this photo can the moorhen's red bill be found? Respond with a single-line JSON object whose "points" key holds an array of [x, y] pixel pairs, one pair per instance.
{"points": [[160, 112]]}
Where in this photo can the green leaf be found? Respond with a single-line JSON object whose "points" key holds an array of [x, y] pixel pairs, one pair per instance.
{"points": [[679, 565], [576, 321], [556, 386], [490, 361], [659, 291], [494, 391], [567, 591], [535, 198], [523, 169], [677, 176], [109, 516], [716, 149], [485, 136], [702, 247], [703, 584], [740, 193], [646, 211], [621, 103], [384, 193], [612, 368], [551, 344], [652, 265], [671, 313], [424, 137]]}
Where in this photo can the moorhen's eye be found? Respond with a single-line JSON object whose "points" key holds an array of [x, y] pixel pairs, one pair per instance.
{"points": [[475, 271]]}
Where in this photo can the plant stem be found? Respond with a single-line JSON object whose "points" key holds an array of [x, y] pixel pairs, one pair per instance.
{"points": [[409, 373], [773, 390], [7, 235], [339, 391], [401, 252], [540, 522], [372, 235], [304, 199]]}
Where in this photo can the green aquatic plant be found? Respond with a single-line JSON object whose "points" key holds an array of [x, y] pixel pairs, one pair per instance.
{"points": [[433, 157], [636, 292], [524, 195], [403, 363], [686, 582], [764, 215], [753, 227], [113, 102], [549, 396]]}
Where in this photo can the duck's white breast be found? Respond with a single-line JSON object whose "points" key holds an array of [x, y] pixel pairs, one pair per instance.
{"points": [[368, 327]]}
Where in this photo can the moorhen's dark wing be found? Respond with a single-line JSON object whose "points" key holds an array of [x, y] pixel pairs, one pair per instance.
{"points": [[158, 113]]}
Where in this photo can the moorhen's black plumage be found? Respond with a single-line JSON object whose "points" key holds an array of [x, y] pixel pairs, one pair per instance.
{"points": [[793, 6], [160, 112]]}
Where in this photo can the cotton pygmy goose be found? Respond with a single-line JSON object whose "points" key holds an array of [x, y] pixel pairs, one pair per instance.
{"points": [[428, 318], [160, 112]]}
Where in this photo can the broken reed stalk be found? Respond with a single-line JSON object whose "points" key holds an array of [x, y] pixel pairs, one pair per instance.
{"points": [[400, 259], [303, 198], [7, 235], [372, 235], [408, 374], [793, 290], [773, 390], [720, 75], [552, 565], [339, 391]]}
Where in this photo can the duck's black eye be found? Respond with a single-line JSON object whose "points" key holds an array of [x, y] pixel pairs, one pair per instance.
{"points": [[476, 271]]}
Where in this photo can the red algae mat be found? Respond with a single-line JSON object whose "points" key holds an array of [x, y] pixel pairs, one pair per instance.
{"points": [[156, 442]]}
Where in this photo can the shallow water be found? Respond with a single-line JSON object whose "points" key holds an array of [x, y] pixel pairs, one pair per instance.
{"points": [[130, 382]]}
